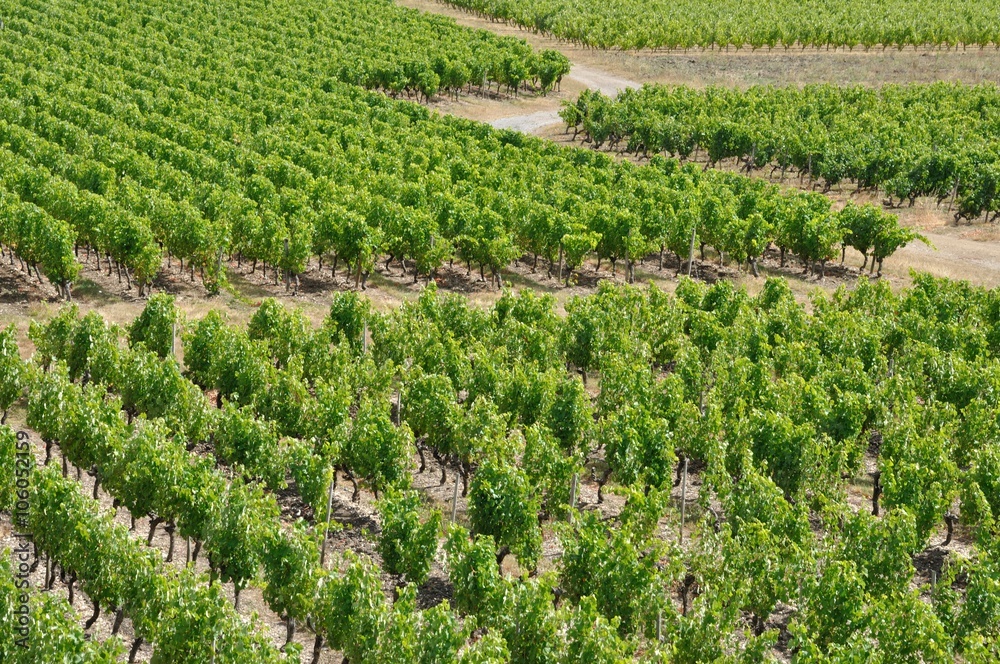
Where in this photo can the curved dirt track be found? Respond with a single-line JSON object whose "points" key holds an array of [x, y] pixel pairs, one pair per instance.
{"points": [[582, 77], [953, 255], [529, 123], [603, 81]]}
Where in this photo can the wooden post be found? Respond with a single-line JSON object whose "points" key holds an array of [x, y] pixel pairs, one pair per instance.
{"points": [[694, 233], [364, 338], [659, 625], [572, 492], [684, 486], [286, 264], [326, 526], [173, 339], [454, 498]]}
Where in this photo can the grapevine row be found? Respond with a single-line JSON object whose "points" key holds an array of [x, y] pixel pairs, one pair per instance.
{"points": [[639, 24], [37, 627], [184, 619], [938, 140], [237, 523], [777, 402]]}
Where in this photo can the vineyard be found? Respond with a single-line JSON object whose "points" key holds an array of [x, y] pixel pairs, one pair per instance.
{"points": [[268, 442], [738, 537], [128, 149], [938, 140], [639, 24]]}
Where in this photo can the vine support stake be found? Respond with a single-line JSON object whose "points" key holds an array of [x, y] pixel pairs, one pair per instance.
{"points": [[659, 625], [326, 525], [399, 406], [454, 499], [572, 491], [286, 270], [694, 233], [684, 486]]}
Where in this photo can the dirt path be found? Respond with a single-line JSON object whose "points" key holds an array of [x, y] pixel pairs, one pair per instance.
{"points": [[955, 254], [598, 79], [530, 123], [581, 77]]}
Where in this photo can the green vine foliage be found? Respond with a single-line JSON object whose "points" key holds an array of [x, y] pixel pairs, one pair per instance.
{"points": [[618, 570], [354, 611], [375, 449], [503, 506], [629, 24], [406, 544], [54, 633], [779, 409], [12, 370], [778, 128], [229, 174], [156, 325], [251, 443]]}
